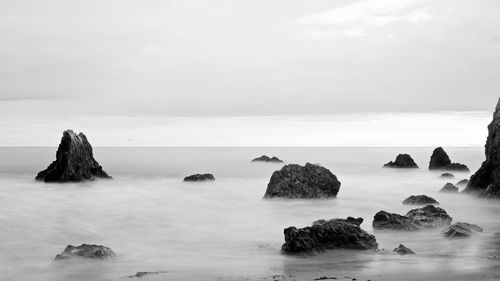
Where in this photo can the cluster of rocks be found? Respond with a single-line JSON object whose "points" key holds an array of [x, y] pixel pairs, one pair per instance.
{"points": [[265, 158], [441, 161], [416, 219]]}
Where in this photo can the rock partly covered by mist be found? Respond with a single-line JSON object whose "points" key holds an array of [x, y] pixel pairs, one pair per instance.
{"points": [[331, 234], [265, 158], [449, 187], [402, 250], [486, 180], [447, 176], [200, 177], [305, 182], [425, 217], [441, 161], [74, 161], [457, 167], [463, 182], [419, 200], [461, 229], [402, 161], [86, 251]]}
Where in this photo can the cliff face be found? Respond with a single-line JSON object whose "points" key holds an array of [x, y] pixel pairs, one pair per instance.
{"points": [[74, 161], [486, 181]]}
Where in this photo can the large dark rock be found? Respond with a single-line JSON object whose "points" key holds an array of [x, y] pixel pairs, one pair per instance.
{"points": [[200, 177], [402, 161], [86, 251], [426, 217], [419, 200], [402, 250], [486, 180], [74, 161], [331, 234], [307, 182], [449, 187], [265, 158], [461, 229], [441, 161]]}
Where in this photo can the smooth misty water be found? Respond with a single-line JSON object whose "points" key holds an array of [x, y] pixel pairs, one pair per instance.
{"points": [[224, 229]]}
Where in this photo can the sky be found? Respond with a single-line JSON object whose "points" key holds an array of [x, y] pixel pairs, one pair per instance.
{"points": [[249, 73]]}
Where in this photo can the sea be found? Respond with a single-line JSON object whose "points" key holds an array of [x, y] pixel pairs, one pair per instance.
{"points": [[224, 229]]}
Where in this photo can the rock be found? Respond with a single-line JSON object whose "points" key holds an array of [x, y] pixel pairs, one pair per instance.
{"points": [[426, 217], [463, 182], [457, 167], [74, 161], [332, 234], [265, 158], [486, 181], [439, 159], [461, 229], [305, 182], [419, 200], [200, 177], [402, 161], [86, 251], [143, 273], [356, 221], [449, 187], [447, 175], [402, 250]]}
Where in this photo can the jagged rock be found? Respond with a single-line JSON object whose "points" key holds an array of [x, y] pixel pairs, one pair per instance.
{"points": [[449, 187], [306, 182], [419, 200], [200, 177], [425, 217], [402, 250], [265, 158], [486, 180], [457, 167], [441, 161], [74, 161], [331, 234], [86, 251], [461, 229], [447, 176], [356, 221], [463, 182], [402, 161]]}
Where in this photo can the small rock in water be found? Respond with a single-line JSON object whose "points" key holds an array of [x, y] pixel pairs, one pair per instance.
{"points": [[265, 158], [200, 177], [143, 273], [419, 200], [447, 176], [449, 187], [461, 229], [402, 161], [425, 217], [402, 250], [325, 278], [86, 251], [463, 182]]}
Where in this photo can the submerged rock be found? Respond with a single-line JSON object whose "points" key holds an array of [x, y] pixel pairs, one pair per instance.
{"points": [[143, 273], [447, 176], [441, 161], [457, 167], [463, 182], [306, 182], [461, 229], [449, 187], [425, 217], [402, 250], [74, 161], [265, 158], [86, 251], [402, 161], [419, 200], [331, 234], [200, 177]]}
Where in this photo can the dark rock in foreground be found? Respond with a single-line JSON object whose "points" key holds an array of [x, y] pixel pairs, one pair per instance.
{"points": [[425, 217], [86, 251], [402, 161], [419, 200], [302, 182], [402, 250], [486, 181], [463, 182], [332, 234], [265, 158], [461, 229], [439, 159], [200, 177], [74, 161], [447, 176], [449, 187]]}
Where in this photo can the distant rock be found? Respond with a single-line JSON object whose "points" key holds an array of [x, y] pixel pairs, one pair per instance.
{"points": [[143, 273], [441, 161], [200, 177], [89, 251], [419, 200], [457, 167], [265, 158], [449, 187], [302, 182], [402, 250], [461, 229], [426, 217], [331, 234], [402, 161], [447, 176], [74, 161], [463, 182]]}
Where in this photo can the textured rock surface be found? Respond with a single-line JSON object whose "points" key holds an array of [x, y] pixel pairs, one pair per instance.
{"points": [[447, 176], [86, 251], [385, 220], [449, 187], [486, 180], [419, 200], [265, 158], [307, 182], [74, 161], [426, 217], [439, 159], [461, 229], [331, 234], [402, 161], [402, 250], [200, 177]]}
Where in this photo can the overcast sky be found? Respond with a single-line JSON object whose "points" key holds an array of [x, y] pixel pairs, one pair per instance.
{"points": [[172, 65]]}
